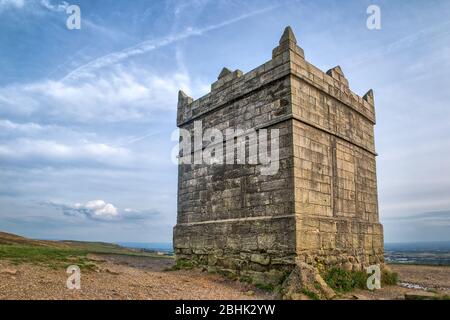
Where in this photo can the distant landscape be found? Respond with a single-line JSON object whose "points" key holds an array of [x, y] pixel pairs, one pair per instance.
{"points": [[427, 253], [154, 246]]}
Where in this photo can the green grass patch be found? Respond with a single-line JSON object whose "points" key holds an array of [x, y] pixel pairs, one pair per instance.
{"points": [[344, 281], [310, 294], [45, 256], [265, 286], [182, 264]]}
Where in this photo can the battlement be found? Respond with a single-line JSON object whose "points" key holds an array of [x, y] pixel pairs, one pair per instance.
{"points": [[288, 60]]}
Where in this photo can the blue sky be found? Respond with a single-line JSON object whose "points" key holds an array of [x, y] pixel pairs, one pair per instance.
{"points": [[86, 116]]}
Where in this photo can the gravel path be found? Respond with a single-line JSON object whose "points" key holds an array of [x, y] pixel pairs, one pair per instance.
{"points": [[121, 277], [128, 277]]}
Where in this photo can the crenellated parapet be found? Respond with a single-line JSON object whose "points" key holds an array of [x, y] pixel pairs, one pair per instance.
{"points": [[287, 59]]}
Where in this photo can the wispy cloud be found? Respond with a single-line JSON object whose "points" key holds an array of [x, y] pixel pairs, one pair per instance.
{"points": [[52, 152], [150, 45], [8, 4], [59, 7], [34, 5], [415, 39]]}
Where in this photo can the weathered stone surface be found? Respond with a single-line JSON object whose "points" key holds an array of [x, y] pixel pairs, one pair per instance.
{"points": [[223, 73], [305, 279], [288, 35], [260, 258], [320, 208], [347, 266], [299, 296]]}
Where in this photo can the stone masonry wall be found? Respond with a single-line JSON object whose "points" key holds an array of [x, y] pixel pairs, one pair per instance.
{"points": [[320, 207]]}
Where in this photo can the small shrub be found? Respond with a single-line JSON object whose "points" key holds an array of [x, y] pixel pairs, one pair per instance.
{"points": [[182, 264], [246, 279], [345, 281], [265, 286], [389, 278], [229, 274]]}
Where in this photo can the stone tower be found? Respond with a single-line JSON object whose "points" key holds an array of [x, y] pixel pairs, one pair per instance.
{"points": [[321, 206]]}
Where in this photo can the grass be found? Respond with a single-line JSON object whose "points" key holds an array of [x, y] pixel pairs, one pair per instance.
{"points": [[265, 286], [182, 264], [344, 281], [389, 278], [61, 254], [52, 257]]}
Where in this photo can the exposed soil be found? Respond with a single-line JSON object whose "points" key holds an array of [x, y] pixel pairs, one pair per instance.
{"points": [[431, 277], [121, 277], [133, 277]]}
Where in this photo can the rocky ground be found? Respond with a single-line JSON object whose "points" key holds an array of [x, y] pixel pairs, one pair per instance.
{"points": [[121, 277], [128, 277]]}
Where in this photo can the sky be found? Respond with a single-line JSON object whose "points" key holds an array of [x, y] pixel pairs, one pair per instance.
{"points": [[86, 116]]}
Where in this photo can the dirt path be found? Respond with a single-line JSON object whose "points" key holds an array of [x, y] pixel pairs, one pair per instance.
{"points": [[121, 277], [128, 277]]}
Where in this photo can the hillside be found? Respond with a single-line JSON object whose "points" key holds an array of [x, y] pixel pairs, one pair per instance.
{"points": [[59, 254], [12, 239]]}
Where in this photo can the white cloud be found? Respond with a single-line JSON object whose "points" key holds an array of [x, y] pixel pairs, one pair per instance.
{"points": [[116, 95], [101, 210], [89, 122], [94, 209], [51, 151]]}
